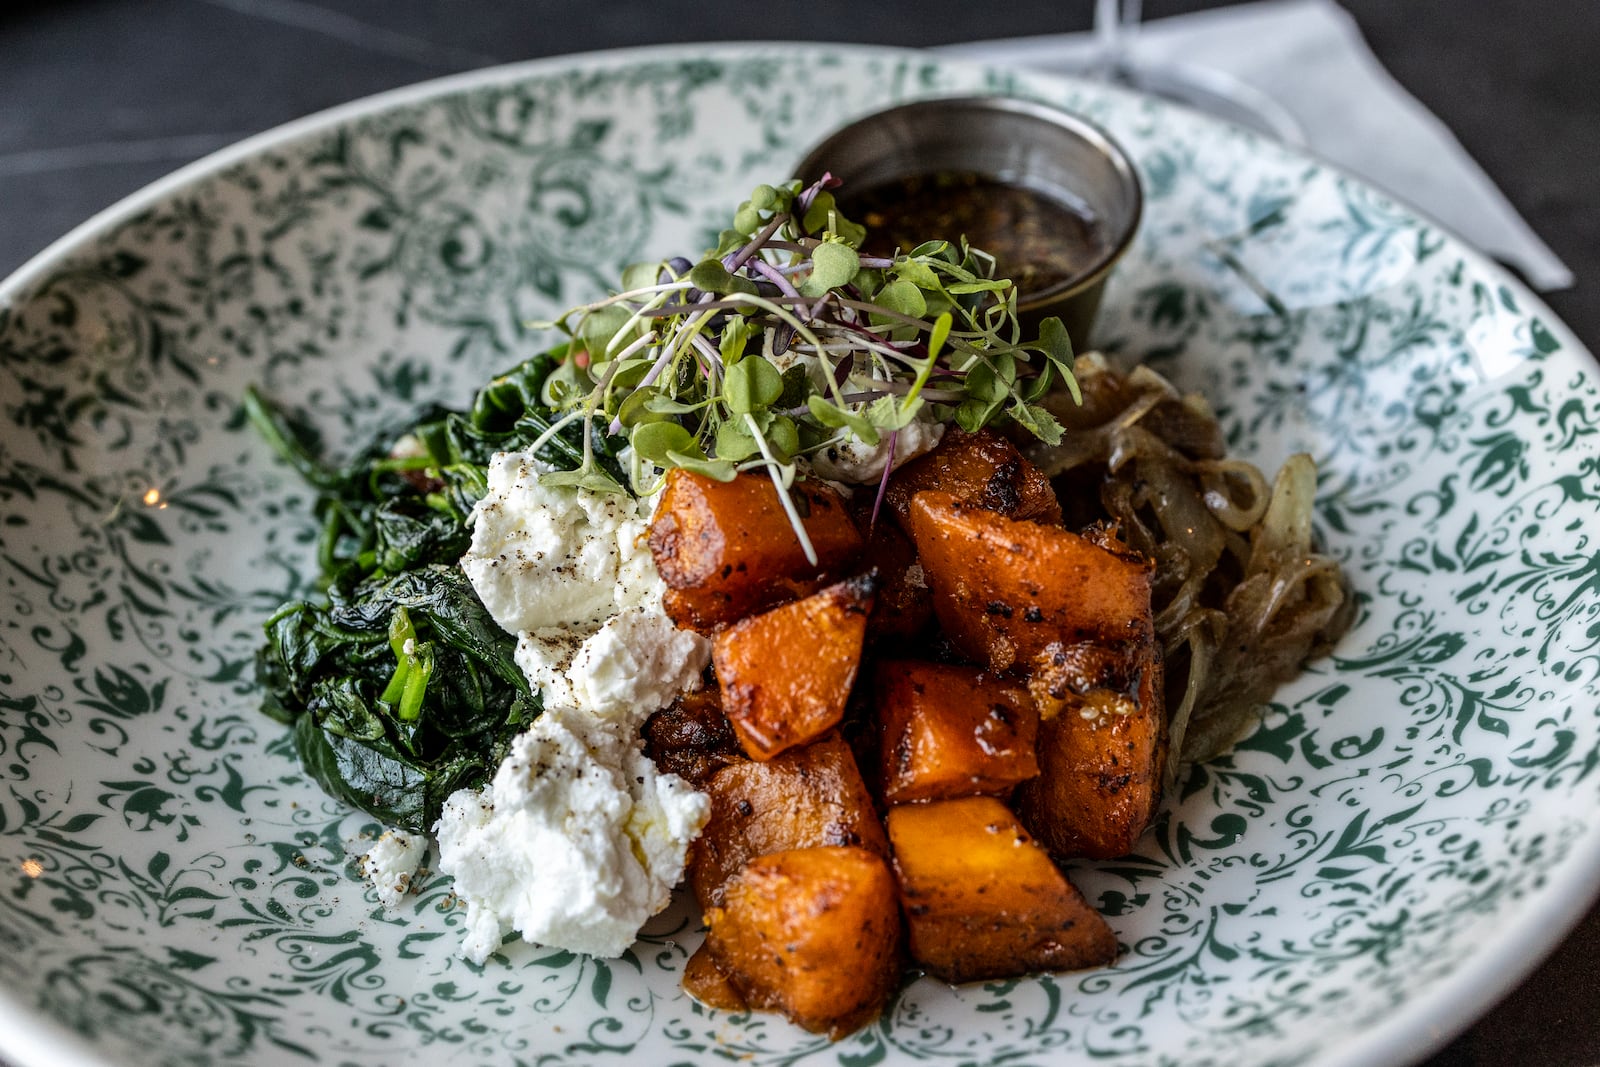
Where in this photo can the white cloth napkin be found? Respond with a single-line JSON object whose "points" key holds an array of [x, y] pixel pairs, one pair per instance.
{"points": [[1309, 57]]}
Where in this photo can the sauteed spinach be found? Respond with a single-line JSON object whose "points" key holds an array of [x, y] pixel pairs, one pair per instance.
{"points": [[399, 686]]}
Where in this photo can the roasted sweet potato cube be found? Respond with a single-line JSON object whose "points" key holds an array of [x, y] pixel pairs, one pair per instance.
{"points": [[982, 469], [704, 981], [804, 798], [726, 549], [1009, 593], [1101, 765], [952, 731], [813, 933], [786, 674], [982, 900], [691, 737]]}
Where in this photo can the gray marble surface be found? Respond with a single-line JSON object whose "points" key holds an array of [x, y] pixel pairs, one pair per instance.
{"points": [[100, 97]]}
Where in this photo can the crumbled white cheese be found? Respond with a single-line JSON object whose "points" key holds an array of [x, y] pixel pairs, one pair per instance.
{"points": [[391, 864], [634, 664], [546, 556], [576, 842], [855, 462]]}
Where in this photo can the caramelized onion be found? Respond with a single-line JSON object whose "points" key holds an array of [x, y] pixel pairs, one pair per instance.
{"points": [[1243, 595]]}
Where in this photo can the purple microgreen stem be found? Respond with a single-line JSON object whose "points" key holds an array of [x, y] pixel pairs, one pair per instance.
{"points": [[734, 260], [775, 276], [860, 343], [643, 342], [883, 483], [711, 363], [808, 195]]}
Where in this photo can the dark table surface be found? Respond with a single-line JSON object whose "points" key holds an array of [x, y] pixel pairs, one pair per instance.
{"points": [[100, 97]]}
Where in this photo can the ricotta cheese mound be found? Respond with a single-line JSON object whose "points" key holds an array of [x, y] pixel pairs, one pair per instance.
{"points": [[576, 842], [551, 556], [579, 839], [391, 864], [636, 662]]}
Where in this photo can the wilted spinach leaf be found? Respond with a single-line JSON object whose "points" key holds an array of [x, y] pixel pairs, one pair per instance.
{"points": [[399, 686]]}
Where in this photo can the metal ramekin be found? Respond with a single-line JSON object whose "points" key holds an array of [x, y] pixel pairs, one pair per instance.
{"points": [[1019, 141]]}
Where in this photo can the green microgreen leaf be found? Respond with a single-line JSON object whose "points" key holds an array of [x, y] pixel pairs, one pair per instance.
{"points": [[735, 336], [630, 372], [940, 334], [1037, 421], [656, 440], [662, 404], [767, 198], [982, 383], [839, 418], [978, 285], [783, 437], [796, 387], [916, 272], [734, 442], [887, 413], [710, 276], [717, 469], [635, 409], [751, 385], [972, 415], [565, 386], [592, 478], [1035, 388], [902, 296], [1057, 347], [1056, 343], [833, 264], [640, 275], [598, 328], [747, 219]]}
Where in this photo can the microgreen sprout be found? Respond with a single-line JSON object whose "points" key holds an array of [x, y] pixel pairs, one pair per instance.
{"points": [[786, 340]]}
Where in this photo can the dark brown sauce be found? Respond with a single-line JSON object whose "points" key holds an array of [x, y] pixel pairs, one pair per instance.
{"points": [[1037, 241]]}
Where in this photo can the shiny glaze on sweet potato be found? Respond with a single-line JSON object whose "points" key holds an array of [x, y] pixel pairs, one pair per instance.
{"points": [[950, 731], [804, 798], [786, 674], [1101, 766], [981, 469], [1011, 594], [812, 933], [982, 900], [726, 549]]}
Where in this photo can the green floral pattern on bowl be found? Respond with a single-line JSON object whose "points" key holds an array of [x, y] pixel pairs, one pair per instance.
{"points": [[1411, 822]]}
